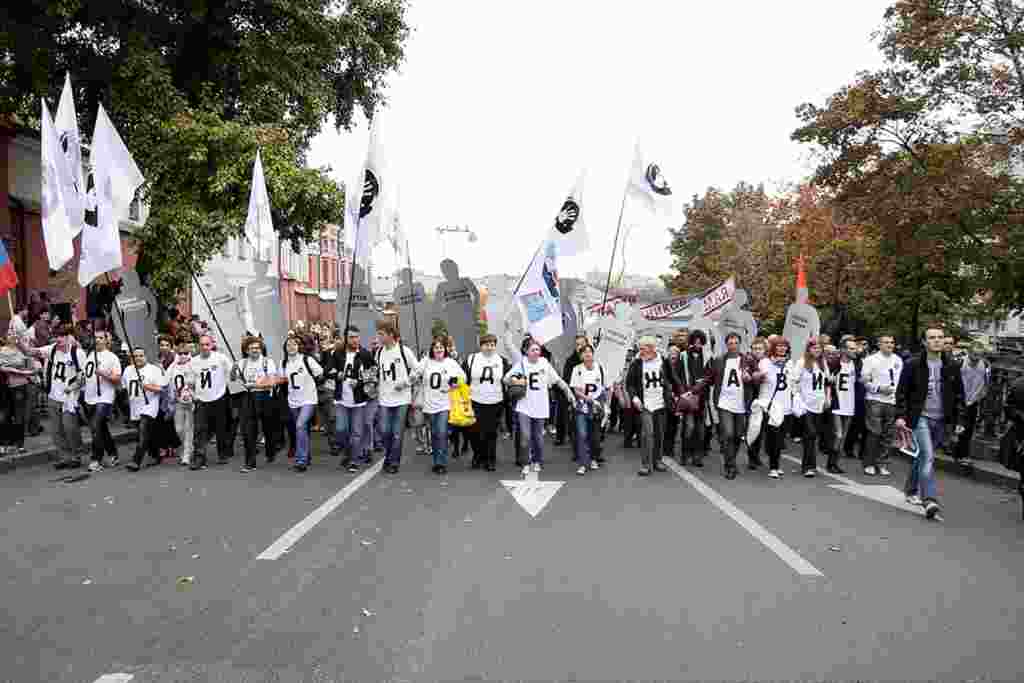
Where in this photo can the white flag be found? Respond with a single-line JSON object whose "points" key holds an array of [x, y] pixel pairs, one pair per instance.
{"points": [[259, 226], [569, 231], [57, 230], [116, 177], [539, 295], [365, 211], [66, 124], [647, 182]]}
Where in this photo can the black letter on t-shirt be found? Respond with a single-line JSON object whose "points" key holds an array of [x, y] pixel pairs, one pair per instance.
{"points": [[780, 383], [295, 386], [652, 379], [487, 375], [435, 380], [534, 384], [734, 378], [206, 379]]}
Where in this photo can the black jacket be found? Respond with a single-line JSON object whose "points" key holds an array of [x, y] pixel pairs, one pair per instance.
{"points": [[570, 365], [635, 382], [912, 389], [337, 370]]}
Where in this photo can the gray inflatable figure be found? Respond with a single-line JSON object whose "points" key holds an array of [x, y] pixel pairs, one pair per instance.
{"points": [[139, 306], [261, 311], [414, 323], [736, 319], [457, 301], [364, 309]]}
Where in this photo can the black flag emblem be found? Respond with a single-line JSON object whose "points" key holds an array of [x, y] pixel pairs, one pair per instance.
{"points": [[371, 190], [657, 181], [567, 217]]}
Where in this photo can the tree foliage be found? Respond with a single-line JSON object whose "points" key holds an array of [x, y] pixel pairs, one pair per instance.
{"points": [[195, 88]]}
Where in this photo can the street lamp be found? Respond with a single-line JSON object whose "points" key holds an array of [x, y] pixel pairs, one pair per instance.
{"points": [[448, 229]]}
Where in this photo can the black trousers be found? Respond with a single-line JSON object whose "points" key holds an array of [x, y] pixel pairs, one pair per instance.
{"points": [[147, 441], [672, 422], [813, 425], [774, 439], [483, 436], [99, 425], [856, 435], [566, 420], [212, 417], [259, 410], [963, 441]]}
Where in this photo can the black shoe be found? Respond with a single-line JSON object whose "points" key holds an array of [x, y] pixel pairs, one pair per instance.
{"points": [[559, 442], [299, 468], [628, 444], [698, 463], [931, 509], [835, 469], [352, 468], [491, 467], [436, 469], [753, 464], [391, 469], [442, 469], [644, 472], [730, 474], [223, 461], [600, 460], [62, 465], [133, 467], [658, 467], [475, 465]]}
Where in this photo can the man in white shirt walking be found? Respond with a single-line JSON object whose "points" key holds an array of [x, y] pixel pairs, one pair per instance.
{"points": [[102, 377], [398, 370], [212, 370], [976, 375], [881, 376], [144, 382]]}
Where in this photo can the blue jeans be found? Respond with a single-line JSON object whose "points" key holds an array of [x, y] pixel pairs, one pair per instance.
{"points": [[532, 429], [301, 418], [350, 432], [439, 437], [373, 431], [392, 429], [585, 433], [930, 435]]}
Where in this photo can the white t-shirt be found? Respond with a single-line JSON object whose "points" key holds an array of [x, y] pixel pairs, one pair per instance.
{"points": [[485, 378], [63, 369], [301, 387], [539, 377], [393, 372], [107, 361], [776, 377], [212, 376], [730, 395], [653, 383], [140, 401], [180, 376], [254, 370], [349, 382], [435, 383], [879, 371], [592, 383], [812, 388], [843, 385]]}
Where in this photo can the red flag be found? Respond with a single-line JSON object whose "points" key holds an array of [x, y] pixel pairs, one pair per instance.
{"points": [[801, 282], [8, 277]]}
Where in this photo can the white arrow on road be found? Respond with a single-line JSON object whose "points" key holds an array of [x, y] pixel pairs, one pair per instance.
{"points": [[531, 493], [883, 493]]}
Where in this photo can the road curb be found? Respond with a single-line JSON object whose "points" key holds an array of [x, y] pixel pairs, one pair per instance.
{"points": [[46, 455]]}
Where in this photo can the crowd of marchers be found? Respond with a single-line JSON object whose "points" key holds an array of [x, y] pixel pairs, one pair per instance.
{"points": [[833, 400]]}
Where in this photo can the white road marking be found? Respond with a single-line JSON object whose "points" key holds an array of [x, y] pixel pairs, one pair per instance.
{"points": [[765, 537], [531, 493], [292, 536], [883, 493], [837, 477], [115, 678]]}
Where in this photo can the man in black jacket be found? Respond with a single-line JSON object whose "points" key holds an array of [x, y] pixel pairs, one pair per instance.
{"points": [[350, 398], [651, 387], [927, 398]]}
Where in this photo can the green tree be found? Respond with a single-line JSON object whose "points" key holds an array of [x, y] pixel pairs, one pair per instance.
{"points": [[195, 88]]}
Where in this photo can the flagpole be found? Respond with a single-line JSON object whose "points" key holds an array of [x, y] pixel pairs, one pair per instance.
{"points": [[131, 347], [412, 295], [529, 265], [213, 314], [352, 279], [611, 264]]}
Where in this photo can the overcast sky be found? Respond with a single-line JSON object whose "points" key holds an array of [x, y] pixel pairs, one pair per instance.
{"points": [[499, 105]]}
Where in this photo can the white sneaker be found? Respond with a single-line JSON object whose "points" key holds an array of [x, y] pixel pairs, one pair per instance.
{"points": [[581, 470], [535, 467], [884, 471], [870, 471], [595, 465], [774, 474], [526, 469], [809, 474], [915, 500], [94, 466]]}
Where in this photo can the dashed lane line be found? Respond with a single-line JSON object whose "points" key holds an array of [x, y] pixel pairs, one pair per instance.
{"points": [[765, 537], [293, 535]]}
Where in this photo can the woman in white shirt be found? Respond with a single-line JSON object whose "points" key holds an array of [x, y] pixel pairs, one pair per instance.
{"points": [[440, 373], [776, 399], [537, 375], [300, 372], [589, 384], [484, 371], [813, 391]]}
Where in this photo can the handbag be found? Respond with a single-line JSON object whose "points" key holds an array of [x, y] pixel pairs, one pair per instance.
{"points": [[516, 392], [460, 407]]}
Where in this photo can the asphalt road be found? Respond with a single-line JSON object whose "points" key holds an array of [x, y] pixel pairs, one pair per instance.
{"points": [[416, 577]]}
